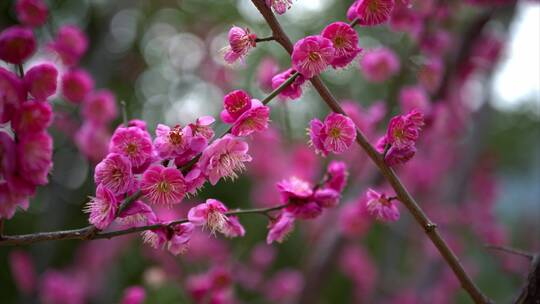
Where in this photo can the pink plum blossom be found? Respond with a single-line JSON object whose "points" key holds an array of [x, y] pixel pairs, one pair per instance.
{"points": [[233, 228], [381, 207], [337, 175], [41, 81], [31, 12], [373, 12], [133, 295], [235, 104], [33, 116], [102, 208], [252, 120], [12, 94], [240, 42], [133, 143], [212, 214], [404, 130], [35, 157], [70, 44], [379, 64], [284, 286], [336, 134], [76, 84], [279, 6], [294, 90], [279, 229], [114, 174], [93, 140], [100, 107], [202, 127], [17, 44], [172, 142], [136, 214], [23, 271], [268, 67], [312, 55], [179, 241], [225, 157], [345, 41], [414, 97], [163, 186]]}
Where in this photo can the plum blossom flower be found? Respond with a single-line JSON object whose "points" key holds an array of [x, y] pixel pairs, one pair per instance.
{"points": [[23, 270], [76, 84], [240, 42], [225, 157], [17, 44], [336, 134], [212, 214], [163, 186], [31, 12], [381, 207], [170, 143], [93, 140], [379, 64], [245, 114], [134, 295], [70, 44], [100, 107], [133, 143], [373, 12], [12, 94], [294, 90], [41, 80], [395, 155], [403, 130], [345, 41], [114, 174], [33, 116], [326, 197], [414, 97], [337, 175], [135, 214], [102, 208], [284, 286], [268, 67], [202, 127], [280, 228], [179, 241], [35, 157], [312, 55], [279, 6]]}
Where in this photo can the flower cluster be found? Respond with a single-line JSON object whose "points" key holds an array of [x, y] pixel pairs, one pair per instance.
{"points": [[304, 200], [398, 144], [245, 114], [336, 134], [25, 112]]}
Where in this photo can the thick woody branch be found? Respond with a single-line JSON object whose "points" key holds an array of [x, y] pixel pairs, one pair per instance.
{"points": [[404, 196], [89, 233]]}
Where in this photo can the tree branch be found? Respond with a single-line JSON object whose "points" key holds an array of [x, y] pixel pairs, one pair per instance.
{"points": [[404, 196], [88, 233], [510, 250]]}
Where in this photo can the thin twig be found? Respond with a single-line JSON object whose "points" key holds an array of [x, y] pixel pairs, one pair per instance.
{"points": [[271, 38], [88, 233], [404, 196], [510, 250]]}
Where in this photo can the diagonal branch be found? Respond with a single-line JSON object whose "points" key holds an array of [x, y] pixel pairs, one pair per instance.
{"points": [[404, 196]]}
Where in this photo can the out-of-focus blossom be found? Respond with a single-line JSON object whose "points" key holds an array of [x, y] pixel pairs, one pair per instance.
{"points": [[17, 44], [31, 12], [61, 288], [371, 12], [41, 81], [354, 219], [379, 64], [12, 94], [268, 67], [35, 157], [414, 97], [280, 228], [70, 44], [93, 141], [284, 286], [23, 272], [76, 84], [133, 295], [33, 116], [100, 107], [381, 207], [279, 6], [431, 73]]}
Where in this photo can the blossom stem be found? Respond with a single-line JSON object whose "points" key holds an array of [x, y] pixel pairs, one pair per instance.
{"points": [[271, 38], [90, 232], [354, 22], [124, 112], [402, 193], [20, 70]]}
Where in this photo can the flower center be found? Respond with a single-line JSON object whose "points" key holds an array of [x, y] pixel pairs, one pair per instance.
{"points": [[314, 56], [131, 148], [335, 133], [339, 42], [163, 187], [176, 136]]}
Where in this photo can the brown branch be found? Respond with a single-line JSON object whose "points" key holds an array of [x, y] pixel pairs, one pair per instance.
{"points": [[531, 291], [89, 233], [510, 250], [429, 227]]}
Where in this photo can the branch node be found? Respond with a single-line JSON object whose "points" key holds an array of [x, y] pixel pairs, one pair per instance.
{"points": [[430, 227]]}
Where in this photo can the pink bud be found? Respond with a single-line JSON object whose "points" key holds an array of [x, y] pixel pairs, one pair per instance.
{"points": [[17, 43], [41, 80], [31, 12], [76, 84]]}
